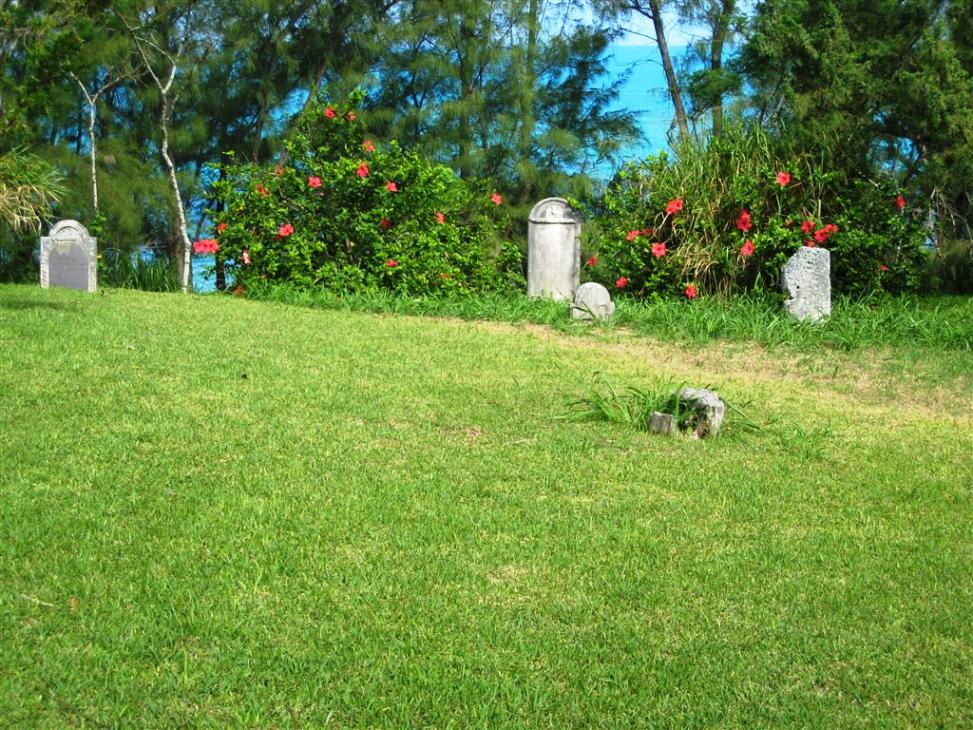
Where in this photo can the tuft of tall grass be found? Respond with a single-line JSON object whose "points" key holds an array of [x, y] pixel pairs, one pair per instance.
{"points": [[130, 271]]}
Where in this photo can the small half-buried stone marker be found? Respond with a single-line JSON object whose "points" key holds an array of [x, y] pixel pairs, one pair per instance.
{"points": [[592, 301], [701, 412], [807, 280], [553, 249], [69, 257]]}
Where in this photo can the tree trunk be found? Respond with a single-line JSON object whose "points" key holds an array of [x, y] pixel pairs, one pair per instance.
{"points": [[185, 260], [527, 122], [720, 31], [655, 11]]}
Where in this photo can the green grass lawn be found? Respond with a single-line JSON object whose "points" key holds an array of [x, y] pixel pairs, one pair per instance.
{"points": [[216, 511]]}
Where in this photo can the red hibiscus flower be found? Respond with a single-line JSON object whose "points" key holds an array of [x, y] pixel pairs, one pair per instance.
{"points": [[824, 233], [658, 250], [440, 218], [497, 198], [809, 243], [747, 248], [314, 182], [807, 226], [262, 190], [362, 170], [900, 203], [743, 222], [621, 282], [391, 187], [368, 146], [221, 227], [329, 112], [391, 263], [783, 179], [245, 257], [206, 245], [592, 261], [691, 292], [883, 267], [285, 230], [385, 223], [674, 206], [632, 235]]}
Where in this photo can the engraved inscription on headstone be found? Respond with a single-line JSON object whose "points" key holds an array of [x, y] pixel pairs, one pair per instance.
{"points": [[69, 257], [553, 249]]}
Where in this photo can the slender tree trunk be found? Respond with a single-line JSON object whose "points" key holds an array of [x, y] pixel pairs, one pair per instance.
{"points": [[528, 81], [720, 31], [186, 261], [682, 123]]}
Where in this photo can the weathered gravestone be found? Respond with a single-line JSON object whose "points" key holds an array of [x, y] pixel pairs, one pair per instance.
{"points": [[69, 257], [553, 249], [700, 412], [592, 301], [807, 280]]}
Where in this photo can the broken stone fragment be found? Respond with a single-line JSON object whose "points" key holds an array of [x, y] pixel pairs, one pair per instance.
{"points": [[703, 411], [664, 423]]}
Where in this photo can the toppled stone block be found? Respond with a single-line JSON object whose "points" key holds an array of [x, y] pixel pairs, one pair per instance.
{"points": [[807, 280], [592, 301], [703, 411], [664, 423]]}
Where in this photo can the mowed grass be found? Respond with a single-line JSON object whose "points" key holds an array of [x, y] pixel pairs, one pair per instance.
{"points": [[216, 511]]}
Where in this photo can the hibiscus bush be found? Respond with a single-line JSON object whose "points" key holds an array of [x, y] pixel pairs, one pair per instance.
{"points": [[724, 216], [348, 213]]}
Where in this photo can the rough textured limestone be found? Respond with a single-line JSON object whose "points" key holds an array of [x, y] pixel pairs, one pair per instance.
{"points": [[553, 249], [705, 411], [592, 301], [69, 257], [807, 280], [664, 423]]}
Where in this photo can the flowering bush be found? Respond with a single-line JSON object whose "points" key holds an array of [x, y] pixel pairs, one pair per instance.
{"points": [[348, 213], [725, 216]]}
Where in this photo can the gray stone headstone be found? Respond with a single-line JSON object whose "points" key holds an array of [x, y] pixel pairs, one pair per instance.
{"points": [[664, 423], [705, 410], [69, 257], [553, 249], [592, 301], [807, 280]]}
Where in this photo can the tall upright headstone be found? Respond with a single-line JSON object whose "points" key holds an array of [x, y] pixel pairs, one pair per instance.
{"points": [[807, 280], [553, 249], [69, 257]]}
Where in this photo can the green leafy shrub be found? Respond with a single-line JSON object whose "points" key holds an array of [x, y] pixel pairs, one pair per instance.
{"points": [[349, 214], [723, 216]]}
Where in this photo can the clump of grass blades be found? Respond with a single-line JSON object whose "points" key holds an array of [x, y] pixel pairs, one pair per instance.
{"points": [[127, 271], [634, 406]]}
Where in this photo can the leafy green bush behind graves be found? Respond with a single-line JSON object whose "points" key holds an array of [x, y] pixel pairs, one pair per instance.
{"points": [[352, 214], [707, 200]]}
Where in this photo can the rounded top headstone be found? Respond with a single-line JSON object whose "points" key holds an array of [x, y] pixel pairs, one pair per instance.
{"points": [[554, 210], [68, 229], [592, 294]]}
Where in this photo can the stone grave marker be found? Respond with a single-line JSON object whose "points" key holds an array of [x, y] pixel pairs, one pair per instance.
{"points": [[69, 257], [553, 249], [592, 301], [807, 280]]}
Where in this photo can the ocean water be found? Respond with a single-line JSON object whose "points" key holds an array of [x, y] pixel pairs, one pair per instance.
{"points": [[644, 93]]}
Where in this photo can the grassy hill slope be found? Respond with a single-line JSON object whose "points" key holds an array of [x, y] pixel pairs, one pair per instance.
{"points": [[216, 511]]}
